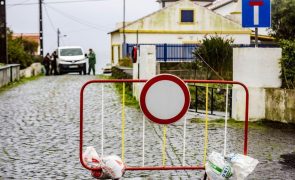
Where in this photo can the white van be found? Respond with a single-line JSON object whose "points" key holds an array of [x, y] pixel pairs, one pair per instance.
{"points": [[71, 59]]}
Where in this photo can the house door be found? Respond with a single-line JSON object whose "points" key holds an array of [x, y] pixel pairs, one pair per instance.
{"points": [[115, 54]]}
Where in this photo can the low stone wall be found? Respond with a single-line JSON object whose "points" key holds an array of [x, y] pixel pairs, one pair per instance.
{"points": [[34, 70], [119, 72], [12, 72], [280, 105], [9, 73]]}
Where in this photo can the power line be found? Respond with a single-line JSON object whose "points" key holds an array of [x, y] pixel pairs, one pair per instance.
{"points": [[54, 2], [23, 2], [77, 20], [50, 21]]}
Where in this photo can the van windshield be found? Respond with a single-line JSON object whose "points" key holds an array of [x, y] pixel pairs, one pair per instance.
{"points": [[71, 52]]}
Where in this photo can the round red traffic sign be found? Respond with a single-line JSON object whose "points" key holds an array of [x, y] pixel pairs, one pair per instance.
{"points": [[164, 99]]}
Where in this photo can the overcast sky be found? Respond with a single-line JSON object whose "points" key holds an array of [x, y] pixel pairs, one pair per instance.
{"points": [[85, 23]]}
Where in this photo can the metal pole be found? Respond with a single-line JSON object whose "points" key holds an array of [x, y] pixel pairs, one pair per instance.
{"points": [[256, 37], [212, 100], [137, 38], [124, 23], [58, 36], [41, 27], [196, 99], [3, 33]]}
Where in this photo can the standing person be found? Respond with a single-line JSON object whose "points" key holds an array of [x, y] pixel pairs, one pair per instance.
{"points": [[92, 61], [46, 63], [53, 63]]}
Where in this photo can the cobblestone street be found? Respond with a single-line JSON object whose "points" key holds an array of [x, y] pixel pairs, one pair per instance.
{"points": [[39, 135]]}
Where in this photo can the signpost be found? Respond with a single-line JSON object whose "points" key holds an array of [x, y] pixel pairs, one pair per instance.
{"points": [[164, 99], [255, 14]]}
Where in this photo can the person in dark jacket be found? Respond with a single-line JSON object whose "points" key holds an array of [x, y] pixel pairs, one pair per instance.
{"points": [[92, 61], [46, 63], [53, 63]]}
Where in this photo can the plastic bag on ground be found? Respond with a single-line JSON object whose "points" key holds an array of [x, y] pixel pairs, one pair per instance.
{"points": [[91, 158], [113, 167], [242, 165], [217, 168]]}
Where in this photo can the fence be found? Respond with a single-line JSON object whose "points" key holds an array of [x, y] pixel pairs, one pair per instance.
{"points": [[180, 52], [169, 52], [217, 99]]}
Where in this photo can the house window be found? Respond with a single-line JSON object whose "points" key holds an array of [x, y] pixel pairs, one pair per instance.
{"points": [[187, 16]]}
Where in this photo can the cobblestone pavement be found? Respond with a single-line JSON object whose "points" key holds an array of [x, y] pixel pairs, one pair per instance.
{"points": [[40, 134]]}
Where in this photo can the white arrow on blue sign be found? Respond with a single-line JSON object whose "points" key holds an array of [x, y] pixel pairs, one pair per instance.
{"points": [[256, 13]]}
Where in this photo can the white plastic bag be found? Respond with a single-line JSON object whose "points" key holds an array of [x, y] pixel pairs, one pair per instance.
{"points": [[113, 167], [91, 158], [217, 168], [242, 165]]}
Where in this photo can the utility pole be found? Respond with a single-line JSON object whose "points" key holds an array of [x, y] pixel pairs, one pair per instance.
{"points": [[3, 33], [41, 28], [58, 36]]}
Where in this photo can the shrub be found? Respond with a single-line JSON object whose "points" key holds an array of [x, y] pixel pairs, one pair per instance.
{"points": [[126, 62], [288, 63], [215, 57], [21, 51]]}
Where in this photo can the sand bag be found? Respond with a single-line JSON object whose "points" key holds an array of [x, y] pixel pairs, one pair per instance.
{"points": [[91, 158], [242, 165], [217, 168], [113, 167]]}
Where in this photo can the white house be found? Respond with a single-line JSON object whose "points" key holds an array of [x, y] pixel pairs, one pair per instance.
{"points": [[180, 22]]}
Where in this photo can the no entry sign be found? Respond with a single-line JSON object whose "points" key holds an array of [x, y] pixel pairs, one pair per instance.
{"points": [[256, 13], [164, 99]]}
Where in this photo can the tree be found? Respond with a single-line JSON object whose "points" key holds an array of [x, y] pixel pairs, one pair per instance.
{"points": [[215, 56], [283, 19], [20, 51]]}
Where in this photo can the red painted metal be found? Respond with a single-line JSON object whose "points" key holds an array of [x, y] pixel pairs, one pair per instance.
{"points": [[164, 168], [142, 81], [255, 2]]}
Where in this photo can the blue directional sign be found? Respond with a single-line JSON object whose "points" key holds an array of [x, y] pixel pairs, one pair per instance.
{"points": [[256, 13]]}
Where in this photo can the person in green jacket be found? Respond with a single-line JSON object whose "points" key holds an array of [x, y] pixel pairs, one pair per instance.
{"points": [[92, 61]]}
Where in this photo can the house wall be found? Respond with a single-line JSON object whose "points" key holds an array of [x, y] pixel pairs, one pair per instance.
{"points": [[257, 68], [201, 3], [116, 46], [165, 26], [169, 19], [226, 9], [149, 38]]}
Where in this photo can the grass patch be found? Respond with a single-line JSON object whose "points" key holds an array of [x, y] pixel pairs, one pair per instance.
{"points": [[129, 99], [261, 124], [17, 83]]}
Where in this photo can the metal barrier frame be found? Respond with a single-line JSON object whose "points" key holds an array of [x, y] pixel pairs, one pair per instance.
{"points": [[158, 168]]}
